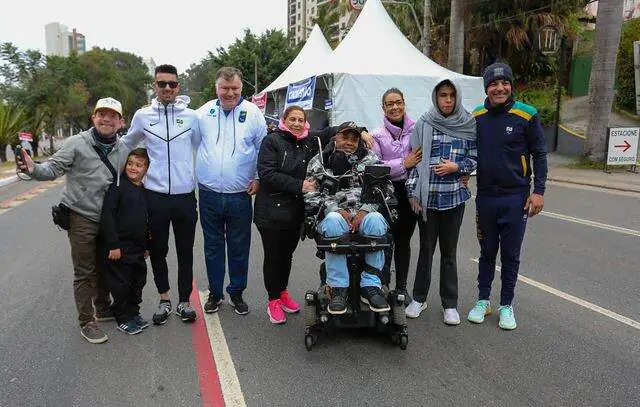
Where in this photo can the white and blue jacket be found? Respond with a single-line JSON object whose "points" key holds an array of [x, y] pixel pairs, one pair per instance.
{"points": [[228, 153], [171, 136]]}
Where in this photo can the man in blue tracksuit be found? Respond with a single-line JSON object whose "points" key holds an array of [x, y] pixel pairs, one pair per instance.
{"points": [[509, 138]]}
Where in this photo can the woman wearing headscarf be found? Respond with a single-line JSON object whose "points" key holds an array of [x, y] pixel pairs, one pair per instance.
{"points": [[447, 135], [392, 144]]}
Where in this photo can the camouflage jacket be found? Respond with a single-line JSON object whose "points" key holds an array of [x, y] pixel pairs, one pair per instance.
{"points": [[347, 198]]}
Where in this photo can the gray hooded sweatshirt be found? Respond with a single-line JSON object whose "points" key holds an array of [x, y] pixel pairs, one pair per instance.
{"points": [[88, 178]]}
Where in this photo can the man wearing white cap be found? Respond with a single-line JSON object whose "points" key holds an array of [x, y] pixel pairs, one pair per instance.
{"points": [[91, 160]]}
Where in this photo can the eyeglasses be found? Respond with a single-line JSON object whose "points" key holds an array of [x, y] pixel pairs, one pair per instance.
{"points": [[163, 84], [398, 103]]}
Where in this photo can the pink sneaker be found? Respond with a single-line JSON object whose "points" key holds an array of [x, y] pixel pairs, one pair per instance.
{"points": [[276, 315], [288, 304]]}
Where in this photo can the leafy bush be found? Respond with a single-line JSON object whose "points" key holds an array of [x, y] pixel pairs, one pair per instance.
{"points": [[625, 76], [542, 96]]}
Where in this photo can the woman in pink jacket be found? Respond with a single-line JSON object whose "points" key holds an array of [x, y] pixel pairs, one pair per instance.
{"points": [[393, 147]]}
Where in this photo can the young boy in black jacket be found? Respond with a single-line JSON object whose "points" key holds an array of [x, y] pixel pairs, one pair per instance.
{"points": [[124, 231]]}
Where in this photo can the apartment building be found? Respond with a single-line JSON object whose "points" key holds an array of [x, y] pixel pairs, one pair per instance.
{"points": [[300, 16]]}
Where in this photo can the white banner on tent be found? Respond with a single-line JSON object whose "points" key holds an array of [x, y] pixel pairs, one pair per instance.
{"points": [[301, 93]]}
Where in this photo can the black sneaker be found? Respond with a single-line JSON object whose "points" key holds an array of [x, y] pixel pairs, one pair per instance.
{"points": [[141, 322], [186, 313], [212, 305], [338, 304], [238, 304], [162, 313], [375, 298], [130, 327]]}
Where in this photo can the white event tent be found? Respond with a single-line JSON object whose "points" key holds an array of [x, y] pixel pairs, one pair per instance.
{"points": [[373, 57]]}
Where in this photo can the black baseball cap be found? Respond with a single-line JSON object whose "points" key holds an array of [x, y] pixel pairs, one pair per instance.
{"points": [[350, 127]]}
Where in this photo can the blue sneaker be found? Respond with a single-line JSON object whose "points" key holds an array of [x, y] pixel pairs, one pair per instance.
{"points": [[130, 327], [507, 319], [141, 322], [479, 311]]}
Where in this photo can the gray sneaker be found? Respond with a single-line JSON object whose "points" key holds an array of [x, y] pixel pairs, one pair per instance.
{"points": [[92, 332]]}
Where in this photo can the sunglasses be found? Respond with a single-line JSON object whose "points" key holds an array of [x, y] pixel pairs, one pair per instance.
{"points": [[163, 84]]}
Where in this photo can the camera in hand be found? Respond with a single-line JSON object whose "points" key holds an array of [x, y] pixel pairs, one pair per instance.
{"points": [[17, 152]]}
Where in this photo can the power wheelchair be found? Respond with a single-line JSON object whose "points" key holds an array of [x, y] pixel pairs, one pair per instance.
{"points": [[376, 188]]}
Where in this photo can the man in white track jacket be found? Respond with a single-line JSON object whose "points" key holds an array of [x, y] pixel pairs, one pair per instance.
{"points": [[232, 130], [170, 131]]}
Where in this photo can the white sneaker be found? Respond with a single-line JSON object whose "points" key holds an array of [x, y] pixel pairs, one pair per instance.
{"points": [[451, 316], [415, 308]]}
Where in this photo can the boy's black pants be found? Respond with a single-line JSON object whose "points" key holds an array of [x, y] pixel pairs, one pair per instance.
{"points": [[126, 278]]}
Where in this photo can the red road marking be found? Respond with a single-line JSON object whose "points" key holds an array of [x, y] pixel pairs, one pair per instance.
{"points": [[6, 202], [210, 390]]}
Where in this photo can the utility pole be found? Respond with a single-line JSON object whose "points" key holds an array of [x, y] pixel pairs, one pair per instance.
{"points": [[426, 27]]}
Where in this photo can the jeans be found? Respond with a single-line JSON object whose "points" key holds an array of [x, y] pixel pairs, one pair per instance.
{"points": [[334, 225], [226, 221], [501, 223]]}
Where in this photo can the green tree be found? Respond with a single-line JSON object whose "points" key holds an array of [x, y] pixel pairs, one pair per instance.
{"points": [[272, 50], [12, 120], [625, 76], [327, 19], [60, 92]]}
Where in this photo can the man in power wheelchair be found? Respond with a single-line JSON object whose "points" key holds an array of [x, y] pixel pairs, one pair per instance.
{"points": [[349, 215]]}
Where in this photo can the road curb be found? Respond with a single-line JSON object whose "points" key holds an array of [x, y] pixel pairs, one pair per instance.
{"points": [[593, 184], [9, 180]]}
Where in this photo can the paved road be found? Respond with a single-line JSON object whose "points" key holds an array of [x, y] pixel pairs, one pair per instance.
{"points": [[561, 353]]}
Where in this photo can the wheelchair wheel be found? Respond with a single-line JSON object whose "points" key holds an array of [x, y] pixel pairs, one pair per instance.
{"points": [[404, 341], [308, 342]]}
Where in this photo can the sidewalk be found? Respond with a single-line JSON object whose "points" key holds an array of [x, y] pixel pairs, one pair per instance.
{"points": [[620, 179], [8, 176]]}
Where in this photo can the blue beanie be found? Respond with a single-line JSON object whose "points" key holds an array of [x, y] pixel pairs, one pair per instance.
{"points": [[495, 72]]}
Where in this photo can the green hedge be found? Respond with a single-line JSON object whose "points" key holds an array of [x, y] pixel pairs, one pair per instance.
{"points": [[625, 76], [542, 96]]}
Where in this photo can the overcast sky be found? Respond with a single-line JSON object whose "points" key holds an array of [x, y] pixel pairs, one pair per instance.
{"points": [[179, 32]]}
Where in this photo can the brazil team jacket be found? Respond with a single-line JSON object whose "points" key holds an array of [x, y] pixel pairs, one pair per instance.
{"points": [[171, 136], [227, 156], [510, 137]]}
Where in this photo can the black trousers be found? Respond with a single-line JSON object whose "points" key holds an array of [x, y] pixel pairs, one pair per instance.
{"points": [[179, 211], [402, 232], [445, 227], [126, 278], [278, 245]]}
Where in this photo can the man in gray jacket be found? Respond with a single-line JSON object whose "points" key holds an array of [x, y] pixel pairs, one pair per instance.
{"points": [[83, 158]]}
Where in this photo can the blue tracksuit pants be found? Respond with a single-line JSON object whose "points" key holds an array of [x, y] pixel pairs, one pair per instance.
{"points": [[500, 222]]}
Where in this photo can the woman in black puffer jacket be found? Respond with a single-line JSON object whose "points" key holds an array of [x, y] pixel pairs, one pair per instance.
{"points": [[279, 205]]}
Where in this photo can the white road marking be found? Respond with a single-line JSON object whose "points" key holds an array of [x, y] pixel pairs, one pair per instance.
{"points": [[591, 223], [575, 300], [229, 382], [588, 222]]}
